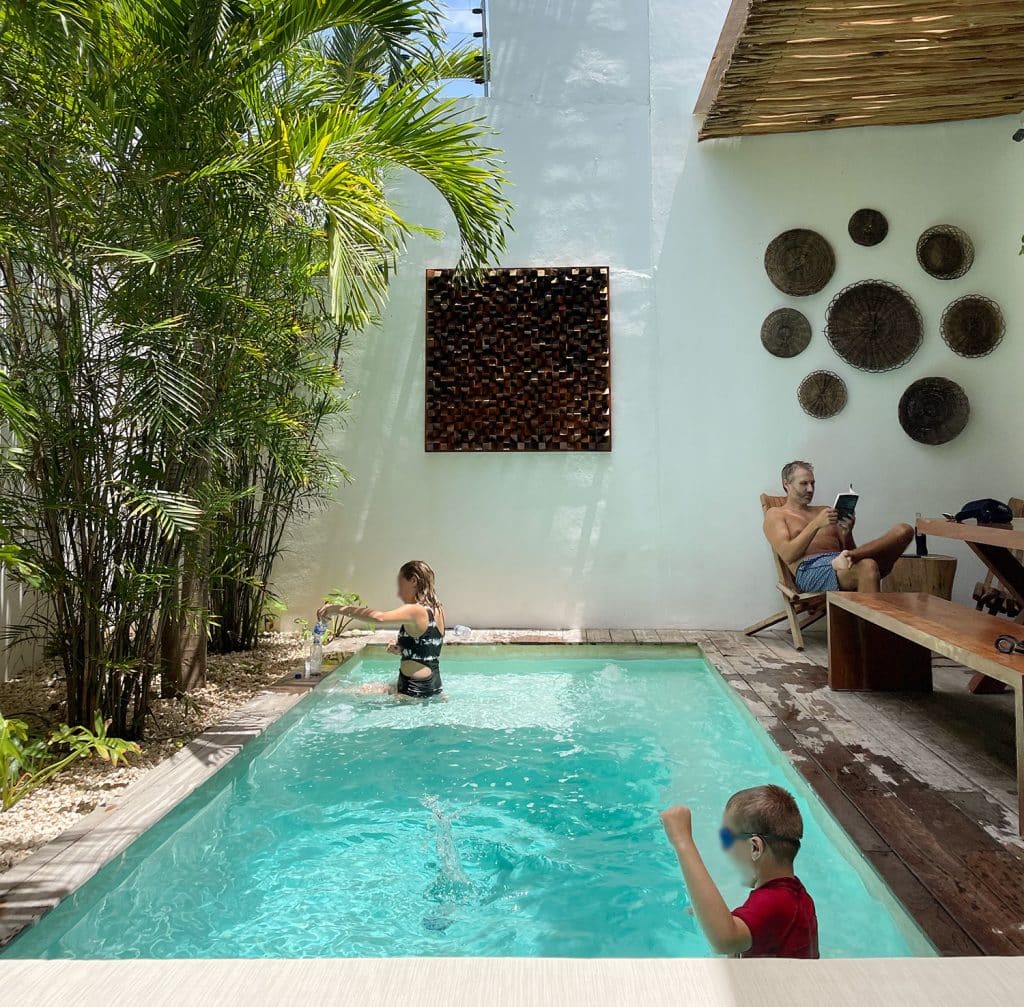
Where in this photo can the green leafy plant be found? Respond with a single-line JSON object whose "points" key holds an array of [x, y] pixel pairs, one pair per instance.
{"points": [[340, 623], [273, 609], [27, 763]]}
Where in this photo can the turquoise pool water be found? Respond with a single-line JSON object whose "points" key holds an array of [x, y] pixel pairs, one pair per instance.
{"points": [[518, 817]]}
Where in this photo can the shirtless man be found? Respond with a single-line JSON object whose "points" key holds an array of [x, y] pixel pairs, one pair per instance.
{"points": [[819, 548]]}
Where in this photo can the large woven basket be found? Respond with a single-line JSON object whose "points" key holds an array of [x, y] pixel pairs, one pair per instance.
{"points": [[934, 410], [874, 326], [822, 394], [945, 252], [799, 262], [973, 326]]}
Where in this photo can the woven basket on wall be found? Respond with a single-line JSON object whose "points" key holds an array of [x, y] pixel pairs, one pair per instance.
{"points": [[799, 262], [945, 252], [785, 333], [874, 326], [868, 227], [973, 326], [934, 410], [822, 394]]}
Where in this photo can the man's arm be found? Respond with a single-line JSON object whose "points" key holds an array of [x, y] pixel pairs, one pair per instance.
{"points": [[793, 547], [726, 934]]}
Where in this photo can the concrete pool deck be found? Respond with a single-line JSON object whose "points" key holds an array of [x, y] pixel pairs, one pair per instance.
{"points": [[872, 760], [517, 982]]}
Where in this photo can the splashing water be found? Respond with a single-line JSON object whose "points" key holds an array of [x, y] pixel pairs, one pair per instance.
{"points": [[451, 887]]}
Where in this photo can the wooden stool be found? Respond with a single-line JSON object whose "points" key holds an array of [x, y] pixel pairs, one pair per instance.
{"points": [[922, 574]]}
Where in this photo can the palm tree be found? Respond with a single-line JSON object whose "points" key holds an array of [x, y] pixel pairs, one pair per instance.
{"points": [[193, 214]]}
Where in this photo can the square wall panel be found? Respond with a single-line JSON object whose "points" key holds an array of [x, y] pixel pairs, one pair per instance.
{"points": [[520, 361]]}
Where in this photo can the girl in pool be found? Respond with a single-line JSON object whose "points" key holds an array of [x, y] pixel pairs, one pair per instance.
{"points": [[419, 674]]}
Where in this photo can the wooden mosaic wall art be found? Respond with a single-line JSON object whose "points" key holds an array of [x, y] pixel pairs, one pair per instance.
{"points": [[520, 362]]}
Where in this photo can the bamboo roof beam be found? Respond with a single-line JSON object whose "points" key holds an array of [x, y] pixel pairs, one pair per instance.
{"points": [[797, 65]]}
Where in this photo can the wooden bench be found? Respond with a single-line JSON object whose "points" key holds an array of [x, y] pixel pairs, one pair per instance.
{"points": [[884, 642]]}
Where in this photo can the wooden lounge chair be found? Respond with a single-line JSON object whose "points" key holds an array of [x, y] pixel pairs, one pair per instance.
{"points": [[801, 610], [988, 593]]}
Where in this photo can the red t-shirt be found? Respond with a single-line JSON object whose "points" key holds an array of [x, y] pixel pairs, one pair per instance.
{"points": [[782, 922]]}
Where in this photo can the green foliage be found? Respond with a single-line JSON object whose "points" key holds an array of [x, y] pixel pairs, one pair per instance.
{"points": [[341, 622], [27, 763], [193, 219], [273, 609]]}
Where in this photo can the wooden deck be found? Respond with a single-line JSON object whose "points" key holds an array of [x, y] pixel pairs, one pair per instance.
{"points": [[924, 784]]}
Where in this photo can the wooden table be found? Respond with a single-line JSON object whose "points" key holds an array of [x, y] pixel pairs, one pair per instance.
{"points": [[994, 545]]}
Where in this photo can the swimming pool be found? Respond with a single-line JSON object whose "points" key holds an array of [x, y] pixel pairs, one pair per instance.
{"points": [[517, 817]]}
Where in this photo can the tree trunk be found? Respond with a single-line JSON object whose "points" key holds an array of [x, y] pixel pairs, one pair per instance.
{"points": [[183, 644]]}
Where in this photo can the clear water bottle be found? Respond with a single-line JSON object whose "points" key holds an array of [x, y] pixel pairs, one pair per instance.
{"points": [[316, 650], [461, 632]]}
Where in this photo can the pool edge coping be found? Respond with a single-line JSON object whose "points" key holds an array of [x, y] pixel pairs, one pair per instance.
{"points": [[515, 982]]}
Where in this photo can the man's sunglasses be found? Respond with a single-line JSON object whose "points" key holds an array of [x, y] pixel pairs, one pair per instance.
{"points": [[729, 837]]}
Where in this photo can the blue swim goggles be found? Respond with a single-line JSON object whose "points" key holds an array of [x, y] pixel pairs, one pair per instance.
{"points": [[728, 837]]}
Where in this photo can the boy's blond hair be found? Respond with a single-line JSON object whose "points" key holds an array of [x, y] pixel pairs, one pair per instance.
{"points": [[769, 812]]}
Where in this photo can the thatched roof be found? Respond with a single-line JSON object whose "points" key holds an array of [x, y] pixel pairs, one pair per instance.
{"points": [[785, 66]]}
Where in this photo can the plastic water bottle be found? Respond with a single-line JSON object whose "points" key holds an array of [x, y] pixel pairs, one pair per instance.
{"points": [[461, 631], [316, 650]]}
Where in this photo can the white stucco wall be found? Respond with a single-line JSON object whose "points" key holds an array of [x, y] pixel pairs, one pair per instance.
{"points": [[593, 101]]}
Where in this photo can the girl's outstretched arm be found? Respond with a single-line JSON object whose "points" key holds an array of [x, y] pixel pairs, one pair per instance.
{"points": [[404, 613]]}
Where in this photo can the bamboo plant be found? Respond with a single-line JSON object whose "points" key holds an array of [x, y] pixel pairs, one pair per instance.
{"points": [[193, 216]]}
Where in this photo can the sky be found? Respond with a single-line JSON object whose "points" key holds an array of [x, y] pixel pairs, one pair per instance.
{"points": [[462, 22]]}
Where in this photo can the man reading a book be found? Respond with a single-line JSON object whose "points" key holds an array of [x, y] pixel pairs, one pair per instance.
{"points": [[817, 544]]}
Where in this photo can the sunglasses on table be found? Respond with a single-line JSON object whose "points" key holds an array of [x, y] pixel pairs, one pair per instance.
{"points": [[729, 837], [1007, 644]]}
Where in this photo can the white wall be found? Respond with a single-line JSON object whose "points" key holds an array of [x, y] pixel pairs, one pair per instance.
{"points": [[593, 101], [15, 604]]}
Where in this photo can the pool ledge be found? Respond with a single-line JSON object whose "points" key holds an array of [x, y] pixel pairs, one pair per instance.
{"points": [[523, 982], [36, 884]]}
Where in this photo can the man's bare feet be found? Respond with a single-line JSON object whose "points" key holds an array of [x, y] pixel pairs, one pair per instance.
{"points": [[842, 561]]}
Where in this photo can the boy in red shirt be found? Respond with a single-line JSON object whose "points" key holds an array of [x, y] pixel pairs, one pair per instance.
{"points": [[761, 830]]}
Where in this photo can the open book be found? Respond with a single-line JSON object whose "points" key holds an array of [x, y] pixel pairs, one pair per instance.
{"points": [[846, 504]]}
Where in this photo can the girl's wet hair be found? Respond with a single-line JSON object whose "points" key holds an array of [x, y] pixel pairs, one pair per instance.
{"points": [[419, 574]]}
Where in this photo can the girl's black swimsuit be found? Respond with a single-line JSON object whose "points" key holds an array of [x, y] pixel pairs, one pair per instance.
{"points": [[425, 650]]}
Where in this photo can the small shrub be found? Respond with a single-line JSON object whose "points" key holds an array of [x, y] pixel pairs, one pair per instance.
{"points": [[341, 622], [27, 763]]}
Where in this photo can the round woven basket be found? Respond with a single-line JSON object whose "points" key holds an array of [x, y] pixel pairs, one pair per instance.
{"points": [[945, 252], [868, 227], [799, 262], [973, 326], [822, 394], [874, 326], [786, 332], [934, 410]]}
